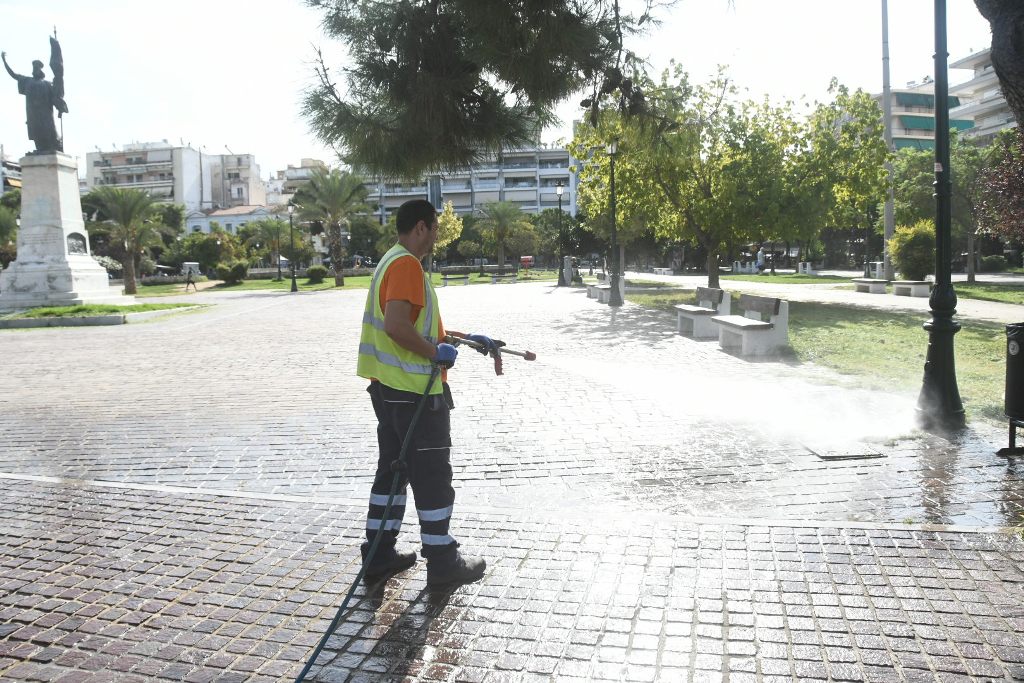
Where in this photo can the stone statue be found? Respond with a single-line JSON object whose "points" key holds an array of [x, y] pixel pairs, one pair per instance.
{"points": [[41, 98]]}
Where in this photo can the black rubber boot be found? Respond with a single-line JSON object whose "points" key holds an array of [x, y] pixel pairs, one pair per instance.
{"points": [[388, 561], [455, 570]]}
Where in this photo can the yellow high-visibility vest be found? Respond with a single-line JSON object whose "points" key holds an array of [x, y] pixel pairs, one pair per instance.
{"points": [[379, 356]]}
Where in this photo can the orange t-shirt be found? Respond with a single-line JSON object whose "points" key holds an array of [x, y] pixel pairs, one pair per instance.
{"points": [[403, 281]]}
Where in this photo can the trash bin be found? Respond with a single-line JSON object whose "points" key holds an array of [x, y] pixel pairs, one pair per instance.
{"points": [[1015, 371]]}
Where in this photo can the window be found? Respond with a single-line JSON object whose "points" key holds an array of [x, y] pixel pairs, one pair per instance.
{"points": [[239, 192]]}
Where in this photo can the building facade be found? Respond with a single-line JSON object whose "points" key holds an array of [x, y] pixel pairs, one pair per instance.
{"points": [[913, 116], [282, 185], [10, 173], [981, 99], [525, 177], [178, 174], [230, 220]]}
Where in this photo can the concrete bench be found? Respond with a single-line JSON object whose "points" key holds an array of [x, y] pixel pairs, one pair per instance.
{"points": [[604, 293], [662, 271], [452, 277], [750, 334], [502, 277], [911, 288], [870, 285], [695, 321], [805, 268], [744, 267]]}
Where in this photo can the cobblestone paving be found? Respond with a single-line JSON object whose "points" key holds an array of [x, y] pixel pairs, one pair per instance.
{"points": [[183, 498]]}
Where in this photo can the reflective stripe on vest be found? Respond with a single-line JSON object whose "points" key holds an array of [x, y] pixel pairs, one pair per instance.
{"points": [[379, 356]]}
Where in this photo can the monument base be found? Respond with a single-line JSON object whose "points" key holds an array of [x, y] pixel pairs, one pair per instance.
{"points": [[53, 266]]}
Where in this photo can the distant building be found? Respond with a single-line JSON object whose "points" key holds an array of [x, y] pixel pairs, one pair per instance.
{"points": [[913, 115], [525, 177], [178, 174], [230, 219], [10, 173], [282, 185], [981, 99], [235, 180]]}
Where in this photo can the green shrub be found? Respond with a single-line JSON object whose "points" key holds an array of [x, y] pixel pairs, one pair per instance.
{"points": [[316, 274], [993, 264], [913, 249], [232, 273]]}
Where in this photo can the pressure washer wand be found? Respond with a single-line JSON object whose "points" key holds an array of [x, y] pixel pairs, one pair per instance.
{"points": [[528, 355]]}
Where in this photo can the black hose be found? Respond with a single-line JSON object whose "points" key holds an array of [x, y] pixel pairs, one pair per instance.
{"points": [[435, 371]]}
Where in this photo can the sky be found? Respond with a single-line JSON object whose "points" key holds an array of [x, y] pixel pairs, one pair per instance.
{"points": [[229, 76]]}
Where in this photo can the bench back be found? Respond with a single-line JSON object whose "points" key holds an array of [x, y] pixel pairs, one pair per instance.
{"points": [[709, 294], [759, 306]]}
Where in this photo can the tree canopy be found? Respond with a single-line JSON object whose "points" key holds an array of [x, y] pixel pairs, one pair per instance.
{"points": [[332, 197]]}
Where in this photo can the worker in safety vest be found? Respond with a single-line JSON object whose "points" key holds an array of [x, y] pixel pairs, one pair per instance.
{"points": [[401, 338]]}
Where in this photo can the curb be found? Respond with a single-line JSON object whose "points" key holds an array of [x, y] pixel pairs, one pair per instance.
{"points": [[89, 321]]}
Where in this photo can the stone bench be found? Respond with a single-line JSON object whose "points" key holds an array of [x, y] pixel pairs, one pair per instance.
{"points": [[744, 267], [603, 293], [695, 321], [662, 271], [452, 277], [502, 277], [805, 268], [750, 334], [870, 285], [911, 288]]}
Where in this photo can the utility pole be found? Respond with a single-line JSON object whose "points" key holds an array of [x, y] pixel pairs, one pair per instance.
{"points": [[890, 209]]}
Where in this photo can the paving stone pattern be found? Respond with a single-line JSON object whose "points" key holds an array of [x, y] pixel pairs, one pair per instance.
{"points": [[183, 500]]}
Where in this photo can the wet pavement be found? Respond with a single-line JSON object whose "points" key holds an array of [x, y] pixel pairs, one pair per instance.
{"points": [[184, 499]]}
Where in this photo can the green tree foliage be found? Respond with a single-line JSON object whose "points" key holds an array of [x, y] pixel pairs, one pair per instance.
{"points": [[449, 228], [913, 249], [131, 222], [438, 84], [8, 225], [332, 197], [365, 232], [264, 238], [1003, 188], [499, 222], [556, 237], [206, 249], [12, 200]]}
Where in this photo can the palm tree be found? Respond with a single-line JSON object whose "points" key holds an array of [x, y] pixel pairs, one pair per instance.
{"points": [[332, 197], [132, 222], [502, 219], [268, 231]]}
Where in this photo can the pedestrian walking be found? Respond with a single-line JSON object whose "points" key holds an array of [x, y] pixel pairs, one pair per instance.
{"points": [[401, 337], [190, 281]]}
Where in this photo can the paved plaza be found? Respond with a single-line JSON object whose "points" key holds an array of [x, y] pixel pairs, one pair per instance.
{"points": [[184, 499]]}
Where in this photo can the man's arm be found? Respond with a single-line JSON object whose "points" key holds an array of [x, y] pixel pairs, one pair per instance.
{"points": [[403, 332]]}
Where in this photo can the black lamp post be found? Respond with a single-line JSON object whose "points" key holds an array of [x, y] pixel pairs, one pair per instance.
{"points": [[939, 405], [559, 188], [279, 247], [291, 232], [615, 297]]}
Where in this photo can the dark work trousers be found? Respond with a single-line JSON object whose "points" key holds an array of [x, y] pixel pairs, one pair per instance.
{"points": [[429, 469]]}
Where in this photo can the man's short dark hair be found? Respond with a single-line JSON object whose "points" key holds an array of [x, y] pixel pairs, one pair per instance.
{"points": [[412, 212]]}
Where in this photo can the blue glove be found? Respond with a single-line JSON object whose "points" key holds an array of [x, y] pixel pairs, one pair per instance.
{"points": [[486, 343], [446, 354]]}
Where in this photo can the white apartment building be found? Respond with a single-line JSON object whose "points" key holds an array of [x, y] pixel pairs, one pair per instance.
{"points": [[230, 219], [913, 115], [981, 98], [178, 174], [282, 185], [235, 180], [526, 177]]}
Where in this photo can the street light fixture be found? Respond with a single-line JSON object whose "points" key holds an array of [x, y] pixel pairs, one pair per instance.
{"points": [[278, 245], [291, 233], [615, 297], [559, 188]]}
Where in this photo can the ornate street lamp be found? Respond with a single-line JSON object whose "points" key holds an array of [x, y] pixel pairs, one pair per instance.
{"points": [[291, 232], [615, 298], [939, 405], [278, 246], [559, 188]]}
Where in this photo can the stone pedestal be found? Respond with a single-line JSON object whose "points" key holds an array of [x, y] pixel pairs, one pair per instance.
{"points": [[54, 266]]}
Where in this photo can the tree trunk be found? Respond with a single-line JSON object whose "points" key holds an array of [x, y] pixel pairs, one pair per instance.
{"points": [[971, 246], [1006, 18], [337, 255], [129, 274], [712, 265]]}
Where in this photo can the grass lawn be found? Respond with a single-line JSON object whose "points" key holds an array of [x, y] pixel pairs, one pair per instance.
{"points": [[886, 349], [90, 310], [1011, 294], [786, 279]]}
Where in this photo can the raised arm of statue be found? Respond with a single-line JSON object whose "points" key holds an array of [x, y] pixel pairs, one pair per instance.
{"points": [[3, 55]]}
